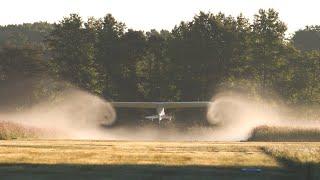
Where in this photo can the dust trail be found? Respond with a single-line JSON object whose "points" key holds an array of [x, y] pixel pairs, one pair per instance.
{"points": [[74, 114], [235, 116]]}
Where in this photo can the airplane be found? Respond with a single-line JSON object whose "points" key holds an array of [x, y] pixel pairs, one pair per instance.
{"points": [[160, 107]]}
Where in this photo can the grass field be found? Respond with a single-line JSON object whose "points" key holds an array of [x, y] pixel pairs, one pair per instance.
{"points": [[66, 159]]}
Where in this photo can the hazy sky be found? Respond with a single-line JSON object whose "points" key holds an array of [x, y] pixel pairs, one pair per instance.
{"points": [[158, 14]]}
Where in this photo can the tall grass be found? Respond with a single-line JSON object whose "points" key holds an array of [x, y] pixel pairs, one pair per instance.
{"points": [[10, 130], [305, 159], [279, 134]]}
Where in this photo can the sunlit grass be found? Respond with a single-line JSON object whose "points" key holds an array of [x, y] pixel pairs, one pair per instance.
{"points": [[137, 159], [160, 153], [285, 134], [10, 130], [301, 157], [299, 154]]}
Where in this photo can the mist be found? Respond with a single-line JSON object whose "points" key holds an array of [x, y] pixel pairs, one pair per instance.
{"points": [[73, 114], [232, 117], [76, 114], [235, 115]]}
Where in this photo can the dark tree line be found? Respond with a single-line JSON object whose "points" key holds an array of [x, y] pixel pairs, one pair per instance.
{"points": [[191, 62]]}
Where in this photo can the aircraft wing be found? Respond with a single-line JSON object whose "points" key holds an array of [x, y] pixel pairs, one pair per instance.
{"points": [[135, 104], [167, 105]]}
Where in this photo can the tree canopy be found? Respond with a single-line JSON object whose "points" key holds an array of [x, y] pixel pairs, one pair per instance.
{"points": [[189, 63]]}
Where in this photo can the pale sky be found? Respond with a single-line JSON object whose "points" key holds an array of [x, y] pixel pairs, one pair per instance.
{"points": [[158, 14]]}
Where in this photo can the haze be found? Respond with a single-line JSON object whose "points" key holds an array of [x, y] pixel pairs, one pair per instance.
{"points": [[150, 14]]}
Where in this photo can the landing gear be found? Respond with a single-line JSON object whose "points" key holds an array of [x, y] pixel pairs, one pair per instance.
{"points": [[166, 121]]}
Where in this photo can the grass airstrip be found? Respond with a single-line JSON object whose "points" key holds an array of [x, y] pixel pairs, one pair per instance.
{"points": [[84, 159]]}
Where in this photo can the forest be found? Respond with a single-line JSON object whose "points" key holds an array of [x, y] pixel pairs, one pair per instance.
{"points": [[191, 62]]}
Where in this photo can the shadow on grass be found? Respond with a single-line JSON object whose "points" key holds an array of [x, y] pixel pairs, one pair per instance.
{"points": [[70, 171], [306, 171]]}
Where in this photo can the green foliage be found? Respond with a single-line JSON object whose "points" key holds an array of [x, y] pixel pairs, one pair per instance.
{"points": [[25, 34], [268, 54], [307, 39], [307, 77], [109, 53], [191, 62], [73, 54], [21, 70]]}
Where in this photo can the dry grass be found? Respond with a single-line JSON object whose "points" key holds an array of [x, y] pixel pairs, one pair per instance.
{"points": [[285, 134], [160, 153], [301, 157], [10, 130], [300, 154], [45, 159]]}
